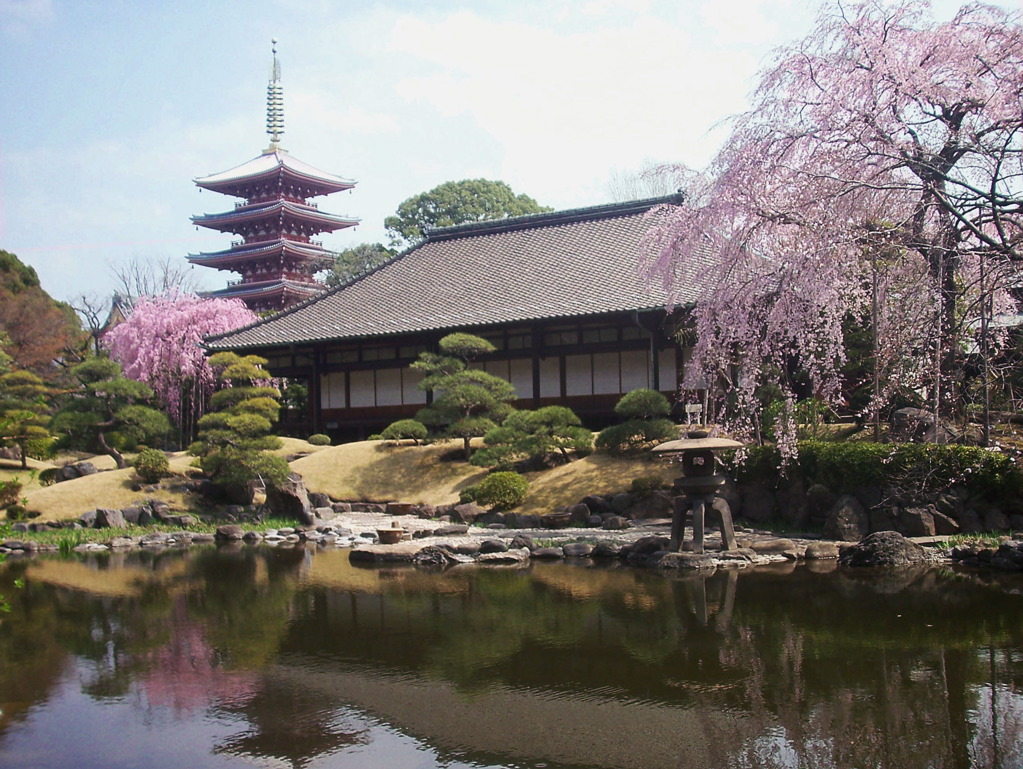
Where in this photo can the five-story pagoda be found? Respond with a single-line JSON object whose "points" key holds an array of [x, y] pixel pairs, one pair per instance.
{"points": [[276, 256]]}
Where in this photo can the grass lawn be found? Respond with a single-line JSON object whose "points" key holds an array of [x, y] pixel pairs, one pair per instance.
{"points": [[376, 471]]}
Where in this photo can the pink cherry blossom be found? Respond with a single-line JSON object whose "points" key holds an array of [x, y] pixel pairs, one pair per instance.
{"points": [[882, 156], [160, 344]]}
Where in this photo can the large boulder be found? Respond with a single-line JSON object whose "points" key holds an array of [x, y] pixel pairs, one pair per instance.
{"points": [[161, 510], [656, 505], [995, 520], [758, 503], [944, 525], [597, 504], [622, 502], [910, 424], [819, 501], [883, 518], [847, 521], [577, 549], [729, 491], [916, 522], [644, 551], [580, 512], [792, 503], [229, 532], [290, 499], [512, 555], [318, 499], [109, 519], [467, 512], [228, 493], [970, 522], [883, 548]]}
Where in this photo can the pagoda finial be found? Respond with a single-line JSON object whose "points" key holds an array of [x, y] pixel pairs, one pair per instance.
{"points": [[275, 102]]}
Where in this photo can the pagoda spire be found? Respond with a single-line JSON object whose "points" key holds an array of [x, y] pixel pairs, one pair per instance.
{"points": [[275, 103], [277, 257]]}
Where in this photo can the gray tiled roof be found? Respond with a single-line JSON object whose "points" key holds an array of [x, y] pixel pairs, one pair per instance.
{"points": [[562, 264]]}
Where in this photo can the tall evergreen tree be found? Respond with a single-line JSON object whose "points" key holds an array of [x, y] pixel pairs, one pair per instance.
{"points": [[107, 413], [468, 402], [234, 441]]}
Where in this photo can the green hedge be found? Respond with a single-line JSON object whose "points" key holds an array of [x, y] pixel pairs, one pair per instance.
{"points": [[921, 467]]}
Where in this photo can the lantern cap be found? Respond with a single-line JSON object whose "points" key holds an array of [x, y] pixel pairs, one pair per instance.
{"points": [[697, 440]]}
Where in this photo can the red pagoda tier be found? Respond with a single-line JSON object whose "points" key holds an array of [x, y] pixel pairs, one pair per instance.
{"points": [[277, 256]]}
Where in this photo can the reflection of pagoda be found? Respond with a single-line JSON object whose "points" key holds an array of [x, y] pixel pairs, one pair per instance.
{"points": [[276, 257]]}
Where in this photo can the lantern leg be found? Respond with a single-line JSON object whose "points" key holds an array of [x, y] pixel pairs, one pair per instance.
{"points": [[678, 524], [698, 513], [727, 530]]}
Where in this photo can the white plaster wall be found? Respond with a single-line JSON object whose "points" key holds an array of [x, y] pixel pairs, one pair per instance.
{"points": [[332, 390], [388, 387], [550, 378], [521, 376], [362, 389], [578, 375], [410, 392], [635, 370]]}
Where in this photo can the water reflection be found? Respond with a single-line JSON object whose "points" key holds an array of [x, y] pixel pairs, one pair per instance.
{"points": [[286, 658]]}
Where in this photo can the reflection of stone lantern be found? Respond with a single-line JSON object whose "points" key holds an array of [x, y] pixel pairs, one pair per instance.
{"points": [[697, 484]]}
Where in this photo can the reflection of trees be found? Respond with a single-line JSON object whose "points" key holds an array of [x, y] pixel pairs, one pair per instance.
{"points": [[31, 659], [838, 669], [289, 722], [174, 636], [828, 670], [186, 674], [244, 601]]}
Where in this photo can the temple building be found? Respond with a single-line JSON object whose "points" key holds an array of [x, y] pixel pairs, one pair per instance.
{"points": [[560, 295], [277, 256]]}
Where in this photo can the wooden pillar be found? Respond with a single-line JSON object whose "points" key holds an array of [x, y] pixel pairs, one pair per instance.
{"points": [[315, 396], [655, 364], [535, 333]]}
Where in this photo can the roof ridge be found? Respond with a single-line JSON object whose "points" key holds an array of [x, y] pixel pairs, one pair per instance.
{"points": [[549, 218]]}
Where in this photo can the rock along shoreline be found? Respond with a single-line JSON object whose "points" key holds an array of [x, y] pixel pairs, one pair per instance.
{"points": [[423, 543]]}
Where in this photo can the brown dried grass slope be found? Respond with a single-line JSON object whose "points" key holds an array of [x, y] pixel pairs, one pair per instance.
{"points": [[598, 473], [107, 488], [372, 471], [379, 471]]}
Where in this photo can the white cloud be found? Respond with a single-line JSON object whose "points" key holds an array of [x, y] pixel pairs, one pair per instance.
{"points": [[607, 7], [743, 23], [566, 107], [321, 110], [17, 17]]}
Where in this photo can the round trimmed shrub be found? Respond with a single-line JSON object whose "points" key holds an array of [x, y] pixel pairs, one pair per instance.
{"points": [[10, 492], [151, 465], [319, 439], [498, 491], [405, 429], [19, 513], [636, 434], [643, 404], [647, 484]]}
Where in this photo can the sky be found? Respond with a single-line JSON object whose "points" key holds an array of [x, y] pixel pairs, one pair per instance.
{"points": [[111, 108]]}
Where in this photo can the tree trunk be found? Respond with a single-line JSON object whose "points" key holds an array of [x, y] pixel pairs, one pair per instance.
{"points": [[111, 451]]}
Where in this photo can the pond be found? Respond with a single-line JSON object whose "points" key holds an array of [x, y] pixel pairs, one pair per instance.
{"points": [[296, 658]]}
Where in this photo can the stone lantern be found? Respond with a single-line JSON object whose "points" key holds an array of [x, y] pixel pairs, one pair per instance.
{"points": [[697, 485]]}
